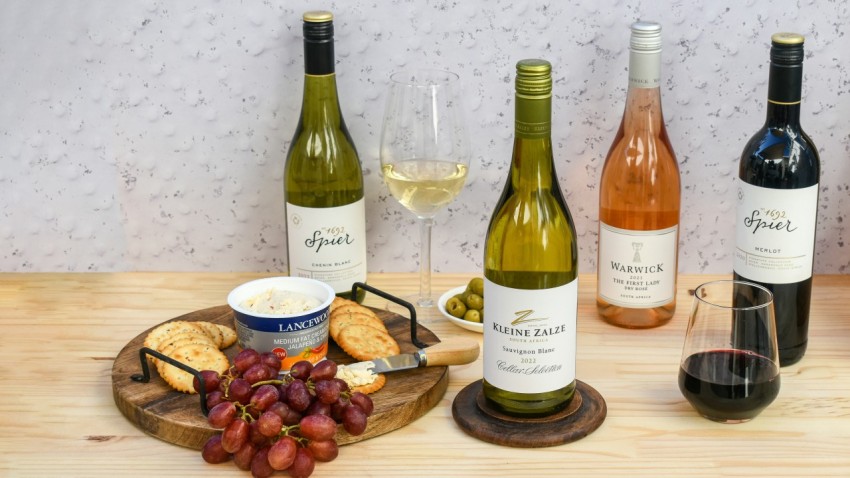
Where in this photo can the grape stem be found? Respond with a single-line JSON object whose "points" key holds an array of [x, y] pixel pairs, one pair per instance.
{"points": [[269, 382], [244, 413], [284, 432]]}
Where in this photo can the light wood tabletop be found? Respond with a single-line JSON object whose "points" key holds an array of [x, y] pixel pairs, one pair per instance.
{"points": [[61, 333]]}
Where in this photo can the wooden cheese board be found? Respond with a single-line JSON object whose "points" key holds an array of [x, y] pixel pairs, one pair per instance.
{"points": [[176, 417]]}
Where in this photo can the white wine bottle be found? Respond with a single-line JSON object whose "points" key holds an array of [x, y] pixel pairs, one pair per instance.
{"points": [[777, 209], [639, 197], [531, 268], [323, 180]]}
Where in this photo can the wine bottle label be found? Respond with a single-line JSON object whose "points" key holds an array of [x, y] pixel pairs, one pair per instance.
{"points": [[530, 337], [775, 233], [637, 269], [328, 244]]}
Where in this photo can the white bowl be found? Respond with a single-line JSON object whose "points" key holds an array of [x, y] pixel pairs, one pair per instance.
{"points": [[441, 304]]}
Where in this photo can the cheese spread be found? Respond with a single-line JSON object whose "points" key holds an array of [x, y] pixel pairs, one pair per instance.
{"points": [[355, 376], [278, 301]]}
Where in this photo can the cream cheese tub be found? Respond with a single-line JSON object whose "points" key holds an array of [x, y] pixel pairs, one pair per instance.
{"points": [[294, 336]]}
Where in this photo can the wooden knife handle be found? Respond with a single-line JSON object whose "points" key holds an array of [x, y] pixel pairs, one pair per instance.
{"points": [[454, 351]]}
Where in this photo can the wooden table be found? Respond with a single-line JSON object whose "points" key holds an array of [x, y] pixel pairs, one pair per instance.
{"points": [[61, 332]]}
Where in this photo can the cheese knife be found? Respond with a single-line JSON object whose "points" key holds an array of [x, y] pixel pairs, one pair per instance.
{"points": [[454, 351]]}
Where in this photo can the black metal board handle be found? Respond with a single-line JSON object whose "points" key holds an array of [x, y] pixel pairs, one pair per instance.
{"points": [[145, 376], [407, 305]]}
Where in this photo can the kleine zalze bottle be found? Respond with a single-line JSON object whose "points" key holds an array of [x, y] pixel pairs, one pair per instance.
{"points": [[323, 180], [531, 268], [639, 199]]}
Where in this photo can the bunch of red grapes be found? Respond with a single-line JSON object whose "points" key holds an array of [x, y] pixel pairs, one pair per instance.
{"points": [[288, 423]]}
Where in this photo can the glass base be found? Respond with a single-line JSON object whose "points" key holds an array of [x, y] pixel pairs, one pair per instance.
{"points": [[425, 302], [414, 299]]}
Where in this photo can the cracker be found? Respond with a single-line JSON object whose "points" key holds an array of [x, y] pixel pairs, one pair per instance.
{"points": [[343, 319], [168, 348], [189, 334], [364, 342], [339, 301], [199, 357], [213, 331], [353, 307], [228, 336], [380, 381], [163, 331]]}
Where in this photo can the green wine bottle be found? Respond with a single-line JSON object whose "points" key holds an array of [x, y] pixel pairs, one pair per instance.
{"points": [[531, 268], [323, 181]]}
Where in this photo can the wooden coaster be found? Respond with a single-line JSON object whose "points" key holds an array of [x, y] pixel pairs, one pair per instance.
{"points": [[582, 416]]}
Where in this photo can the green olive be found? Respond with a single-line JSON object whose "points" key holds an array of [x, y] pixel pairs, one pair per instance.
{"points": [[476, 286], [472, 315], [456, 307], [474, 301]]}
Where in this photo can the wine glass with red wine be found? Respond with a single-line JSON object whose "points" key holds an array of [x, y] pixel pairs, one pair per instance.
{"points": [[730, 361]]}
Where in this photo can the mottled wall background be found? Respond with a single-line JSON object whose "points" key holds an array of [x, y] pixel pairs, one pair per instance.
{"points": [[150, 135]]}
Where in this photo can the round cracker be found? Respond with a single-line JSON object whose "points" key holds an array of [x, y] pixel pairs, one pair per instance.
{"points": [[339, 301], [213, 331], [377, 384], [189, 334], [228, 336], [353, 307], [169, 348], [342, 320], [199, 357], [166, 348], [364, 342], [167, 329]]}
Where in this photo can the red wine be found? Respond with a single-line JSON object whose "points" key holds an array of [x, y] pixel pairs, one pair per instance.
{"points": [[777, 202], [729, 384]]}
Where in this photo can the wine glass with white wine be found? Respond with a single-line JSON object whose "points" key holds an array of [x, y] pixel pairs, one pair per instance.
{"points": [[424, 152]]}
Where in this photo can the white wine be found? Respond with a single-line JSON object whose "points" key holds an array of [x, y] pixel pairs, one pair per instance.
{"points": [[323, 183], [639, 199], [531, 268], [424, 186]]}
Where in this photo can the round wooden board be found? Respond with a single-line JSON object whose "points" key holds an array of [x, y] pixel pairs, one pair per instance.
{"points": [[585, 414], [176, 417]]}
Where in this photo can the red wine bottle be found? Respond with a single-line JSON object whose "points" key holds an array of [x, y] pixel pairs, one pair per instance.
{"points": [[776, 213]]}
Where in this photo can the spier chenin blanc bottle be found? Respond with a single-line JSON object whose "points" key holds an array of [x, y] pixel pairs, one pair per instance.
{"points": [[777, 201], [639, 198], [323, 180], [530, 268]]}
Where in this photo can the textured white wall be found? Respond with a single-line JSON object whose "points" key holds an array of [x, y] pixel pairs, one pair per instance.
{"points": [[151, 135]]}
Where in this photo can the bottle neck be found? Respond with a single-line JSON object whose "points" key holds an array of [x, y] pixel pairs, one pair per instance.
{"points": [[319, 55], [644, 69], [784, 93], [643, 100], [320, 103], [532, 166]]}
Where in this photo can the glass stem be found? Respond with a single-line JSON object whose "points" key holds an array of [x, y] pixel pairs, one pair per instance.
{"points": [[425, 224]]}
